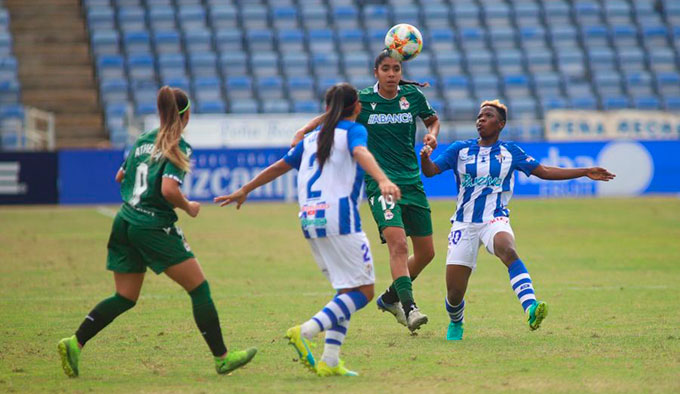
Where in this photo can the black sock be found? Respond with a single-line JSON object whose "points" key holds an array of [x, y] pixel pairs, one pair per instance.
{"points": [[101, 316], [206, 318], [390, 295]]}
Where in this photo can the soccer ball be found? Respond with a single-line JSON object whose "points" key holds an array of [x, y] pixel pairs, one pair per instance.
{"points": [[404, 42]]}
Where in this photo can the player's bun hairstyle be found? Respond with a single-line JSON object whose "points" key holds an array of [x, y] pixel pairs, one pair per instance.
{"points": [[172, 105], [500, 107], [340, 101], [384, 55]]}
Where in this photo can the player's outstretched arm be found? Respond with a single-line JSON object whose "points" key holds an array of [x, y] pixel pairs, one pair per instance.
{"points": [[267, 175], [173, 194], [433, 126], [120, 175], [557, 173], [313, 124], [429, 168], [368, 163]]}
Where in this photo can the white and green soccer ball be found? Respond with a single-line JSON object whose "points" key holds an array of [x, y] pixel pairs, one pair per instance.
{"points": [[404, 42]]}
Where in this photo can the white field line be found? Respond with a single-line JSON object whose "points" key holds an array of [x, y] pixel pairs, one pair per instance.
{"points": [[108, 212]]}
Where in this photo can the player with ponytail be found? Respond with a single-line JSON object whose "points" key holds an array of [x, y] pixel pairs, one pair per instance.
{"points": [[144, 234]]}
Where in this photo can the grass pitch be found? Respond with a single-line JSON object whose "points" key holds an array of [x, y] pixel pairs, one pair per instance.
{"points": [[609, 269]]}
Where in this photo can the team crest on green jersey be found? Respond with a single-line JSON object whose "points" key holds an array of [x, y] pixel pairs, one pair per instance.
{"points": [[403, 103]]}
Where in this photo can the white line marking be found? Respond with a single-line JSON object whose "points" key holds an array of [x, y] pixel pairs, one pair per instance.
{"points": [[108, 212]]}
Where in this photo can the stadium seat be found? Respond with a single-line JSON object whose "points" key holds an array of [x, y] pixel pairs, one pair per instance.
{"points": [[516, 86], [10, 92], [473, 38], [228, 40], [356, 64], [321, 40], [108, 66], [264, 64], [547, 84], [315, 16], [617, 12], [448, 63], [442, 40], [502, 38], [662, 60], [275, 106], [295, 64], [601, 58], [162, 18], [198, 41], [207, 89], [531, 37], [136, 42], [323, 83], [325, 64], [436, 15], [479, 62], [376, 16], [639, 83], [223, 17], [306, 106], [496, 14], [285, 17], [180, 82], [351, 40], [668, 83], [254, 16], [243, 106], [101, 18], [553, 102], [522, 107], [583, 102], [539, 60], [103, 42], [463, 109], [203, 64], [345, 17], [191, 17], [509, 61], [419, 68], [595, 36], [407, 14], [290, 41], [631, 59], [466, 14], [526, 13], [239, 87], [647, 103], [556, 12], [486, 87], [131, 18], [113, 90], [171, 65], [301, 88], [270, 87], [260, 40], [587, 12], [624, 36], [615, 102], [672, 103], [563, 36], [654, 36], [167, 41], [607, 83]]}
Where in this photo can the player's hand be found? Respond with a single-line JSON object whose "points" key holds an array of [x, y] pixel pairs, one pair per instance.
{"points": [[425, 152], [430, 140], [389, 191], [193, 208], [599, 174], [299, 136], [238, 196]]}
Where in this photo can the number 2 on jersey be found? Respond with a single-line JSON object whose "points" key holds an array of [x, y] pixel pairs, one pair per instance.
{"points": [[141, 183], [313, 193]]}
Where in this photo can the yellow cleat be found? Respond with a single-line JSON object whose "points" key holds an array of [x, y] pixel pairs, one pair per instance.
{"points": [[302, 347], [323, 369]]}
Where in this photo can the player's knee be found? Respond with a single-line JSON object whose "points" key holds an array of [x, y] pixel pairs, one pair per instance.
{"points": [[454, 296], [369, 292], [398, 247], [507, 254]]}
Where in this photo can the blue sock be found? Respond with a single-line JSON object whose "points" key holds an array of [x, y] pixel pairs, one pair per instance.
{"points": [[455, 312], [521, 284], [341, 308]]}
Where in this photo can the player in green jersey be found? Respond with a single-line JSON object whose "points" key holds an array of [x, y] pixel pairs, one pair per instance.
{"points": [[144, 235], [389, 112]]}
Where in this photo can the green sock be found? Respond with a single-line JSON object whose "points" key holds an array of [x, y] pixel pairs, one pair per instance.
{"points": [[390, 296], [404, 288], [206, 318], [101, 316]]}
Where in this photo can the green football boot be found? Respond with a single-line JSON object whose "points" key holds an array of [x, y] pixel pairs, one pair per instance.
{"points": [[235, 359], [70, 354], [536, 313], [455, 331], [323, 369], [302, 347]]}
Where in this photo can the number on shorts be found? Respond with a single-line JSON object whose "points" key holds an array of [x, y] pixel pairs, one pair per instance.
{"points": [[367, 253], [389, 203], [141, 183]]}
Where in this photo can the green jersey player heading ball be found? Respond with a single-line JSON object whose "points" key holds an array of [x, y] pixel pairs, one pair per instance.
{"points": [[144, 235], [389, 112]]}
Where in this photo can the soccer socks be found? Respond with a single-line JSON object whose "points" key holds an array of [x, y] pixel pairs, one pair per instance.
{"points": [[390, 296], [340, 309], [206, 318], [335, 336], [455, 312], [404, 288], [101, 316], [521, 284]]}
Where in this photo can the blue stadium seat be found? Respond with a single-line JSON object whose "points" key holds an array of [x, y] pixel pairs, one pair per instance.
{"points": [[234, 63], [672, 103], [167, 41], [315, 16], [179, 82], [486, 87], [243, 106], [672, 11], [101, 18], [466, 14], [6, 44], [436, 15], [556, 12], [376, 16], [496, 13], [667, 83], [229, 40], [270, 87], [295, 64], [323, 83], [10, 91], [239, 88], [601, 58], [448, 63], [615, 102], [86, 3], [547, 84], [113, 90], [502, 38], [136, 42], [595, 35], [198, 40], [583, 102], [285, 17], [356, 64], [141, 67], [550, 103], [376, 40], [223, 17], [516, 86], [463, 109], [533, 37], [645, 12], [207, 89], [162, 18], [290, 41], [306, 106], [321, 40], [105, 42], [407, 14], [108, 66], [608, 83], [264, 64], [509, 61], [639, 83], [587, 12], [655, 36], [563, 36], [479, 62], [539, 60], [647, 103], [662, 60], [420, 67], [171, 65], [624, 35], [577, 86], [301, 88], [325, 64], [631, 59], [351, 40], [275, 106], [254, 16], [203, 64], [442, 40], [131, 18], [527, 13], [260, 40], [191, 17], [345, 17], [211, 107], [617, 11], [522, 107], [473, 38]]}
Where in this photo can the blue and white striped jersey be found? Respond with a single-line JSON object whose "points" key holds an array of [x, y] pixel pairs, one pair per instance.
{"points": [[329, 198], [484, 177]]}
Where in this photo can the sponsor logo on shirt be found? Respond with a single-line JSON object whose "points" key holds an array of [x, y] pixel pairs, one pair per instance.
{"points": [[488, 180], [310, 210], [320, 222], [390, 118], [403, 103], [373, 105]]}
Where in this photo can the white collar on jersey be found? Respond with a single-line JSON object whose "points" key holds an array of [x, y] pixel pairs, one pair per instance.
{"points": [[375, 90]]}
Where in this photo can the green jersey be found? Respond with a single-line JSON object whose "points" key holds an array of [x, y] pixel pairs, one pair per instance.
{"points": [[143, 202], [391, 126]]}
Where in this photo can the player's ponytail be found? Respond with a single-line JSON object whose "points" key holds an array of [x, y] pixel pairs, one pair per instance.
{"points": [[340, 101], [172, 106], [385, 54]]}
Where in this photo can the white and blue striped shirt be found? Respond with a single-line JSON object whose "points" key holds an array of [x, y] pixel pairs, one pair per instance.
{"points": [[329, 198], [484, 177]]}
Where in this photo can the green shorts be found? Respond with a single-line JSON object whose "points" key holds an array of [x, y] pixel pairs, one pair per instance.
{"points": [[412, 212], [133, 248]]}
